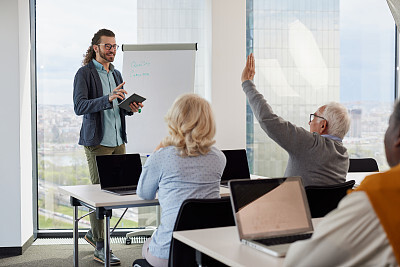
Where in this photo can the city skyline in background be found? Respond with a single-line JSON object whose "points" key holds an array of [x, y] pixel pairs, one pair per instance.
{"points": [[361, 76], [308, 52], [61, 161]]}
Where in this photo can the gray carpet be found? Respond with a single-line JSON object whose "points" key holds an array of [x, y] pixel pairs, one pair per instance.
{"points": [[62, 255]]}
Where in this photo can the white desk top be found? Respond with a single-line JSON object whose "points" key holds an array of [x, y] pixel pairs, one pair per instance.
{"points": [[223, 244], [92, 195], [253, 176], [358, 176]]}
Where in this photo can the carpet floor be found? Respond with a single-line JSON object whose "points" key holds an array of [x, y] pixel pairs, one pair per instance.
{"points": [[62, 255]]}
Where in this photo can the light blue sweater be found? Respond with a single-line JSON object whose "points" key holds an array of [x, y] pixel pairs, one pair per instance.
{"points": [[176, 179]]}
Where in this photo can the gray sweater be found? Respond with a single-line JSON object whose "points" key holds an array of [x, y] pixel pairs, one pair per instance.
{"points": [[317, 159]]}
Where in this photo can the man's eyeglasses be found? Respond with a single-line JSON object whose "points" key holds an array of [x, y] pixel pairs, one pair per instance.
{"points": [[109, 46], [313, 115]]}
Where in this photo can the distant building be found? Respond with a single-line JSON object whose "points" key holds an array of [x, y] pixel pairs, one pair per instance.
{"points": [[355, 126]]}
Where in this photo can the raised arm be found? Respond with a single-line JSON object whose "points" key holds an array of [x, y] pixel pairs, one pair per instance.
{"points": [[284, 133]]}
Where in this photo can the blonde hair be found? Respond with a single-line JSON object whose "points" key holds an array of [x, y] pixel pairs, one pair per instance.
{"points": [[191, 126]]}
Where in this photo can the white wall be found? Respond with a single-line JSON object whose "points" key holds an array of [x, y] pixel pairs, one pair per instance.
{"points": [[15, 117], [25, 117], [228, 59]]}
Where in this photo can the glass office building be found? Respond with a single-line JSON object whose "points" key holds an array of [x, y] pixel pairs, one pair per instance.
{"points": [[306, 56], [178, 22]]}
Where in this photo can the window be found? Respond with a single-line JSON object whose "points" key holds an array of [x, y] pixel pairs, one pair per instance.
{"points": [[309, 53], [63, 33]]}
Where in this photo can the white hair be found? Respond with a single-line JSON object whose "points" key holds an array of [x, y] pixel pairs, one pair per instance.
{"points": [[338, 119]]}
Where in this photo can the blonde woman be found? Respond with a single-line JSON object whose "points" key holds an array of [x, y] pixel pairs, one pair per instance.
{"points": [[184, 165]]}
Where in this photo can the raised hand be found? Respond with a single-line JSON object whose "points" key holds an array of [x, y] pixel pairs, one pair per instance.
{"points": [[249, 70]]}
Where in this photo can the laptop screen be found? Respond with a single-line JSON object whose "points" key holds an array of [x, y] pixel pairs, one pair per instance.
{"points": [[118, 170], [236, 166], [270, 207]]}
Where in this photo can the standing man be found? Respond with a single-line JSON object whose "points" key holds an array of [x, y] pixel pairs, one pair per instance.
{"points": [[98, 87], [317, 155]]}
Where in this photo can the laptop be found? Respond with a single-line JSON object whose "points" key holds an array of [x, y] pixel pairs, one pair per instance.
{"points": [[119, 174], [270, 214], [236, 166]]}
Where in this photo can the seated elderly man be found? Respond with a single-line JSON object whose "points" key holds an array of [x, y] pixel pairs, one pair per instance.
{"points": [[318, 155], [364, 229]]}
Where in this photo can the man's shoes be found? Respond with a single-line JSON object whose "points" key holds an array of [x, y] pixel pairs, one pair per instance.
{"points": [[100, 257], [89, 238]]}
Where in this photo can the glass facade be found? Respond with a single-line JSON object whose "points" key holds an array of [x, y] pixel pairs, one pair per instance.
{"points": [[367, 75], [178, 22], [307, 54], [61, 42]]}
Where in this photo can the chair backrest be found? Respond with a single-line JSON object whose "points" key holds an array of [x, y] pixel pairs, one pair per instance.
{"points": [[141, 263], [363, 165], [237, 166], [198, 214], [323, 199]]}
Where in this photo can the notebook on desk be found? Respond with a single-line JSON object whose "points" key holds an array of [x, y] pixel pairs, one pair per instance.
{"points": [[236, 166], [270, 214], [119, 174]]}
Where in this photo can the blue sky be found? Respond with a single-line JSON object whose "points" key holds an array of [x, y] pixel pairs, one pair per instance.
{"points": [[366, 51]]}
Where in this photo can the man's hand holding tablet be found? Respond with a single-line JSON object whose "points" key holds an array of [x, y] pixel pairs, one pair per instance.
{"points": [[132, 103]]}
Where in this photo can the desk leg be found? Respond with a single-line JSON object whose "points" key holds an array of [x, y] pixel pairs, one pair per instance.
{"points": [[76, 235], [198, 258], [107, 240]]}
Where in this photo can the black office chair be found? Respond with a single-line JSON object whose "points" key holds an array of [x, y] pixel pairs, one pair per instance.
{"points": [[141, 263], [323, 199], [199, 214], [363, 165]]}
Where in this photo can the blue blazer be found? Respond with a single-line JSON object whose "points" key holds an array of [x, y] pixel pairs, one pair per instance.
{"points": [[89, 101]]}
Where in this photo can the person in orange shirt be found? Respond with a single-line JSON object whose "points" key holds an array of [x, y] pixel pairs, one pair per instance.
{"points": [[364, 229]]}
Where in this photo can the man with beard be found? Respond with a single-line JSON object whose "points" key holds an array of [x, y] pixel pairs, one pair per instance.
{"points": [[98, 87]]}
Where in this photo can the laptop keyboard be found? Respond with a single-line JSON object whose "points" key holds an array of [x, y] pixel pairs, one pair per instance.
{"points": [[125, 189], [283, 239]]}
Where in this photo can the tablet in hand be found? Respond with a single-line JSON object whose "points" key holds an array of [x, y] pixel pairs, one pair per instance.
{"points": [[132, 98]]}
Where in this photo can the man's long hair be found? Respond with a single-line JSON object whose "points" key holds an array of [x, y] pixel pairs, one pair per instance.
{"points": [[90, 53]]}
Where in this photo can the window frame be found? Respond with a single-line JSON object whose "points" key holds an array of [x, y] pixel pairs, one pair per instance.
{"points": [[58, 233]]}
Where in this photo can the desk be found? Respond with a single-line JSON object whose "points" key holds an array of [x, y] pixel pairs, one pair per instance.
{"points": [[358, 176], [223, 245], [253, 176], [93, 198]]}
